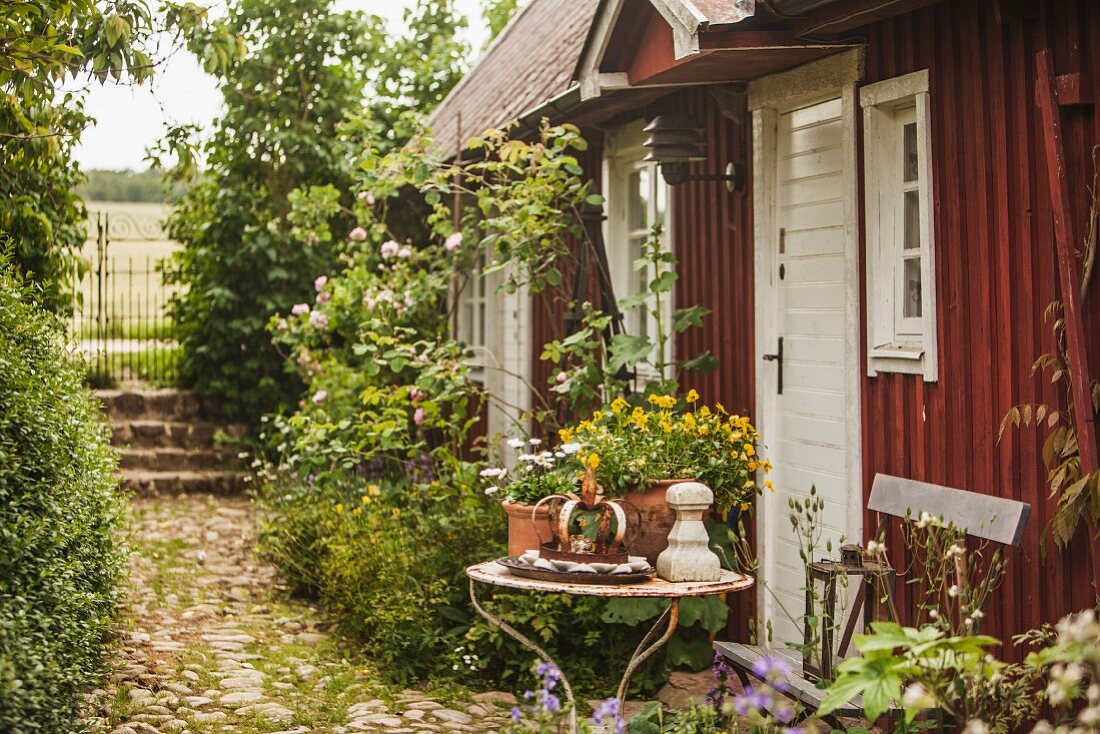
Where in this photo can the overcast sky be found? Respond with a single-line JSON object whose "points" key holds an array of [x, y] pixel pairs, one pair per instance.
{"points": [[128, 120]]}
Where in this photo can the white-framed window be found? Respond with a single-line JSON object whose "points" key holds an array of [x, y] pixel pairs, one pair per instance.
{"points": [[901, 288], [472, 315], [637, 198]]}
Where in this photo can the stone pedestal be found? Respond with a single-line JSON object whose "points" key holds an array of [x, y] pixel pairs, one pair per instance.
{"points": [[688, 556]]}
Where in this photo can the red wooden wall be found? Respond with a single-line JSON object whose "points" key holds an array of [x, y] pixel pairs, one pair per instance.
{"points": [[995, 274]]}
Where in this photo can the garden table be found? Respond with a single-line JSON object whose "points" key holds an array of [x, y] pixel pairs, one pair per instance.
{"points": [[495, 574]]}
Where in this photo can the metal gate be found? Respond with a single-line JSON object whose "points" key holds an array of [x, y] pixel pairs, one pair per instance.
{"points": [[121, 291]]}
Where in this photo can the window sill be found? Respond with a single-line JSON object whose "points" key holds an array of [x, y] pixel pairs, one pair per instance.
{"points": [[906, 359]]}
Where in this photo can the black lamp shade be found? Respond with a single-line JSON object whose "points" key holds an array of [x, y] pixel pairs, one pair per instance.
{"points": [[675, 139]]}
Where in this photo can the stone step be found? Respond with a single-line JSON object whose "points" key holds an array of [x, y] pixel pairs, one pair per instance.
{"points": [[173, 459], [152, 483], [151, 404], [170, 434]]}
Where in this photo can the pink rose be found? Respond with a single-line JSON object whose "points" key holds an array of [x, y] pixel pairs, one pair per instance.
{"points": [[453, 242], [324, 297], [300, 308], [405, 251], [281, 325], [390, 248], [319, 282], [416, 395], [418, 416], [357, 235], [366, 197], [562, 377], [319, 397], [318, 320]]}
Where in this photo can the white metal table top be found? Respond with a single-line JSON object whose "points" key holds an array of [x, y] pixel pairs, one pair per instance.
{"points": [[491, 572]]}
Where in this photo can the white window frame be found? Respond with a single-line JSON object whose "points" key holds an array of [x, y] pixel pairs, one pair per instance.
{"points": [[474, 293], [624, 153], [897, 343]]}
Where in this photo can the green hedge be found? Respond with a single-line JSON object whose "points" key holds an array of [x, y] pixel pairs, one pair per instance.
{"points": [[60, 510]]}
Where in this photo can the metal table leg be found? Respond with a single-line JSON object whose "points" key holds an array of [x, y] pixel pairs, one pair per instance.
{"points": [[645, 649], [526, 642]]}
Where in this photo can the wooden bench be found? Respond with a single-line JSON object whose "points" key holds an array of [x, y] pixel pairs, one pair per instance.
{"points": [[992, 518]]}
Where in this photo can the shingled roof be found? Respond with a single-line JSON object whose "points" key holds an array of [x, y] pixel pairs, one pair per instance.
{"points": [[532, 61]]}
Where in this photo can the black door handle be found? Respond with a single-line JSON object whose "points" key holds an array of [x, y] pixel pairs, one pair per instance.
{"points": [[777, 357]]}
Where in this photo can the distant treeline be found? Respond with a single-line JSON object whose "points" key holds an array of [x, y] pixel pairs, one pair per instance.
{"points": [[125, 186]]}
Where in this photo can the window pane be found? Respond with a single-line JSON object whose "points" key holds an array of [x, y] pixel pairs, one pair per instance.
{"points": [[466, 323], [638, 188], [661, 197], [912, 298], [910, 160], [481, 324], [912, 220]]}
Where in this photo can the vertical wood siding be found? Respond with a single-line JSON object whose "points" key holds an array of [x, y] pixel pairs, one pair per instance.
{"points": [[995, 270]]}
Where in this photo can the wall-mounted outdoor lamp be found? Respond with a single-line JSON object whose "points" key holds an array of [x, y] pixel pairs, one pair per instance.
{"points": [[677, 140]]}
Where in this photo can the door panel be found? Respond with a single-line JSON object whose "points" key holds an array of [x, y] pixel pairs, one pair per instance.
{"points": [[806, 426]]}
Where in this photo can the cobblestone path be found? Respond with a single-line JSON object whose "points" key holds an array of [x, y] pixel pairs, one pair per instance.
{"points": [[210, 645]]}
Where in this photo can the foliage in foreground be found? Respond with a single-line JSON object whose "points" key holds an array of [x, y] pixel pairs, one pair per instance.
{"points": [[51, 45], [59, 514]]}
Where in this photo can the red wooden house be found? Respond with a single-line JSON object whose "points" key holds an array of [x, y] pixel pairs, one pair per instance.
{"points": [[901, 231]]}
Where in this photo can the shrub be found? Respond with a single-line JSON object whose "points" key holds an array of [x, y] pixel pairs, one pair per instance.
{"points": [[59, 513]]}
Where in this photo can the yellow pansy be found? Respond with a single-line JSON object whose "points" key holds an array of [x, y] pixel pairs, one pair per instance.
{"points": [[339, 508], [720, 408], [666, 426], [704, 411], [373, 490], [365, 499], [357, 511], [769, 485], [750, 449], [566, 435], [619, 405], [692, 396], [744, 506], [689, 421], [593, 461]]}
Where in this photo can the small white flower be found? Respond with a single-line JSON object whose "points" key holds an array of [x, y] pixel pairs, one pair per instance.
{"points": [[874, 547], [916, 696], [955, 550], [933, 614], [517, 443], [977, 614], [559, 454], [493, 472], [953, 591], [525, 457], [491, 490], [976, 726], [570, 448], [535, 441]]}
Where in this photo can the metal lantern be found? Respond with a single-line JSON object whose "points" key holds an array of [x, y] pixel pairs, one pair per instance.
{"points": [[677, 140]]}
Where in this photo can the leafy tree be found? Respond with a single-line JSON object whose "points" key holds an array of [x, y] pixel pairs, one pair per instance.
{"points": [[291, 132], [497, 13], [46, 45]]}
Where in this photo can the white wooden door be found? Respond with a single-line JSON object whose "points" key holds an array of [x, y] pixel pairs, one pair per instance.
{"points": [[808, 287]]}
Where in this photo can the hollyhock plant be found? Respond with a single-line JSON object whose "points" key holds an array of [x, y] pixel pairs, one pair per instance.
{"points": [[357, 235], [320, 282], [320, 397], [299, 309], [318, 320], [389, 249]]}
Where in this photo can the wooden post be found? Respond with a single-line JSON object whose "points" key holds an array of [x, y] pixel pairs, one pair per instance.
{"points": [[1076, 349]]}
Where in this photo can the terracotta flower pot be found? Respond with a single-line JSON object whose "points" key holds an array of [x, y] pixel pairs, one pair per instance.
{"points": [[657, 519], [523, 535]]}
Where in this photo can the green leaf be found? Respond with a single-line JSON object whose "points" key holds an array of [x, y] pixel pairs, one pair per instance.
{"points": [[685, 318], [709, 611], [627, 350], [632, 612]]}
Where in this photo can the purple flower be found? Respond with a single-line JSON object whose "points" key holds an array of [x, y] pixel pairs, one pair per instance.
{"points": [[774, 670], [357, 235], [319, 282], [318, 320], [753, 699], [418, 416], [299, 308], [528, 695], [551, 703], [609, 709], [453, 242], [516, 713]]}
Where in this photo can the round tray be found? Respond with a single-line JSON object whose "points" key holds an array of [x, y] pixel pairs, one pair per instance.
{"points": [[519, 568]]}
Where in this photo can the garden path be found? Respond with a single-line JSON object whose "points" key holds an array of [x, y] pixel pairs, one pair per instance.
{"points": [[210, 645]]}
